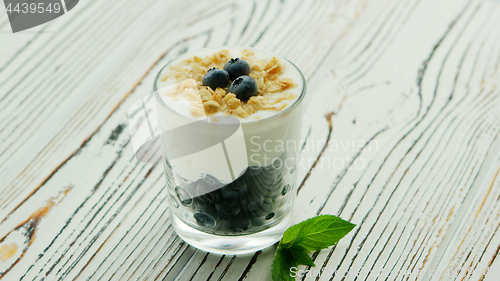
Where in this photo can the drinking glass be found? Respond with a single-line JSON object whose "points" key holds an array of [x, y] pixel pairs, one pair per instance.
{"points": [[231, 182]]}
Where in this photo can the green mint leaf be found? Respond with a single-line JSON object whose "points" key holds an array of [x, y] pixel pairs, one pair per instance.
{"points": [[281, 266], [316, 233], [299, 255], [291, 234], [313, 234]]}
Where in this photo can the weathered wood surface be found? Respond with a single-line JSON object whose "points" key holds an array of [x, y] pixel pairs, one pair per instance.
{"points": [[403, 105]]}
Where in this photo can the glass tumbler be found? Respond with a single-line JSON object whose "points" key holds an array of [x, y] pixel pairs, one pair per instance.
{"points": [[231, 181]]}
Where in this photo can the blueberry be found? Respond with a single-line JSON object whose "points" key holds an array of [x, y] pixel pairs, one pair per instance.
{"points": [[207, 198], [237, 67], [206, 209], [252, 202], [183, 196], [227, 209], [232, 191], [244, 87], [285, 189], [237, 224], [253, 206], [216, 78], [204, 220], [269, 216]]}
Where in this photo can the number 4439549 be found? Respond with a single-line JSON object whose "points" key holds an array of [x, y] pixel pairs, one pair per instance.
{"points": [[34, 8]]}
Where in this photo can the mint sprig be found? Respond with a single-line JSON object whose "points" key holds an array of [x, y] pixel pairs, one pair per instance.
{"points": [[313, 234]]}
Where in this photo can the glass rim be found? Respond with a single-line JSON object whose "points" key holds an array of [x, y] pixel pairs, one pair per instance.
{"points": [[258, 121]]}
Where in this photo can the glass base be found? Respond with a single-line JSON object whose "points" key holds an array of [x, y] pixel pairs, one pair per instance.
{"points": [[230, 245]]}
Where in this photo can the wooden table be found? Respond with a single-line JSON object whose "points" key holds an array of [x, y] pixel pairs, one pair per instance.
{"points": [[403, 103]]}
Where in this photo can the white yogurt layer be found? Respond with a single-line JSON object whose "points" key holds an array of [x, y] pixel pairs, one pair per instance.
{"points": [[264, 136]]}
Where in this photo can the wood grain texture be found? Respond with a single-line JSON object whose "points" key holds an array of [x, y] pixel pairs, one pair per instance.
{"points": [[401, 137]]}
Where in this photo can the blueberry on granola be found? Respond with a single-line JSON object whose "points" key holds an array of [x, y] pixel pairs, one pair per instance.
{"points": [[244, 87], [237, 67], [216, 78]]}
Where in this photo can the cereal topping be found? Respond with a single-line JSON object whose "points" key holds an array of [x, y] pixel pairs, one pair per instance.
{"points": [[267, 73], [211, 107]]}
